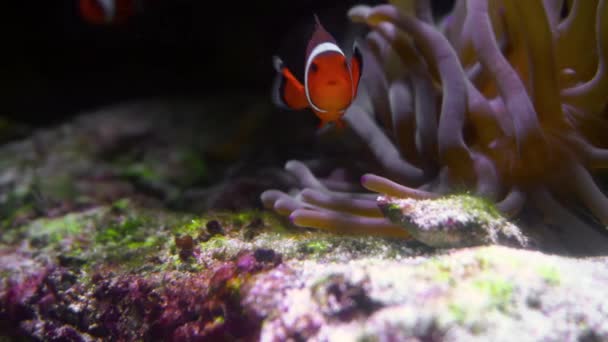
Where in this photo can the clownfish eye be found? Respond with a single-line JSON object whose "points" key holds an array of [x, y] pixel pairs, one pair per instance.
{"points": [[314, 67]]}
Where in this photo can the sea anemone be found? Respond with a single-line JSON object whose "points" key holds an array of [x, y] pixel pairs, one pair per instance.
{"points": [[504, 99]]}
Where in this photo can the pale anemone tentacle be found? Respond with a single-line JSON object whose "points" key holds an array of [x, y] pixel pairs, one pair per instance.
{"points": [[382, 147], [589, 193], [376, 83], [591, 95], [404, 119], [385, 186], [270, 197], [576, 35], [539, 44], [593, 157], [553, 8], [305, 214], [426, 123], [475, 71], [423, 89], [345, 223], [483, 116], [340, 185], [286, 205], [580, 234], [424, 11], [454, 24], [303, 173], [350, 205], [488, 182], [513, 203], [451, 145], [512, 90]]}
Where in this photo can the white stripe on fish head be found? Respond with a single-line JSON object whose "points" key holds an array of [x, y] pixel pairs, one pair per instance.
{"points": [[109, 9], [319, 49]]}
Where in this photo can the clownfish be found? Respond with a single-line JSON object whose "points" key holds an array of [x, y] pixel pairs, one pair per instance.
{"points": [[330, 79], [106, 12]]}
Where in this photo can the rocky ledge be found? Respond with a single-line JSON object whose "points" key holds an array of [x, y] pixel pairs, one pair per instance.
{"points": [[111, 229]]}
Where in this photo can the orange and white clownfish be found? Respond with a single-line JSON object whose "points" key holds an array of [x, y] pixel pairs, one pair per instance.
{"points": [[107, 12], [330, 79]]}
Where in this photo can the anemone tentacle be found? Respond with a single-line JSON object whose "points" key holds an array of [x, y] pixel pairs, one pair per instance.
{"points": [[576, 35], [344, 223], [357, 206], [511, 88], [382, 147], [512, 204], [451, 146], [591, 95]]}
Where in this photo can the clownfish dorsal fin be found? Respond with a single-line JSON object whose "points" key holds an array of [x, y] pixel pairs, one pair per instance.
{"points": [[317, 21], [319, 36]]}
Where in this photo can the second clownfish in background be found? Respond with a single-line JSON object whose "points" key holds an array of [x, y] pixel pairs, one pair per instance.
{"points": [[330, 79], [108, 12]]}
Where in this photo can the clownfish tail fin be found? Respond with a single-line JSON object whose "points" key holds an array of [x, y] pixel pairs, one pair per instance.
{"points": [[287, 91]]}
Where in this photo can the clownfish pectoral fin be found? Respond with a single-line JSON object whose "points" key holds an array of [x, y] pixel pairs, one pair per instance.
{"points": [[356, 67], [287, 92]]}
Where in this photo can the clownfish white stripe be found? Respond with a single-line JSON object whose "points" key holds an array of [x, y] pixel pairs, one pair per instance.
{"points": [[319, 49], [109, 8]]}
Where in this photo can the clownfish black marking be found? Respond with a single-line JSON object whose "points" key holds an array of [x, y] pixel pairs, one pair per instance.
{"points": [[330, 79]]}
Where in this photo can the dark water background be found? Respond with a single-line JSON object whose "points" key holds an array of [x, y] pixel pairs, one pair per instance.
{"points": [[55, 65]]}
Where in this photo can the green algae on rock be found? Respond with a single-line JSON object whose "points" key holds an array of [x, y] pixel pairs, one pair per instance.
{"points": [[280, 283], [129, 266], [130, 149], [117, 271], [483, 293], [452, 221]]}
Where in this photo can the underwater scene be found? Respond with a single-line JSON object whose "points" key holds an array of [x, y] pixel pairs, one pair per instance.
{"points": [[311, 170]]}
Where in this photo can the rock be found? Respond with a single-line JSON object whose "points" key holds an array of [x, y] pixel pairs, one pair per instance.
{"points": [[116, 272], [123, 264], [156, 148], [453, 221], [482, 293]]}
